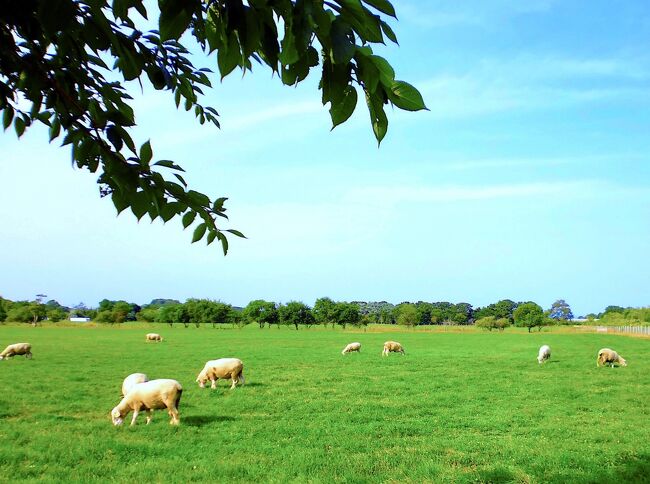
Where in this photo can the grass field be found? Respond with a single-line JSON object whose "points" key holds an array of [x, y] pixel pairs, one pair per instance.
{"points": [[459, 407]]}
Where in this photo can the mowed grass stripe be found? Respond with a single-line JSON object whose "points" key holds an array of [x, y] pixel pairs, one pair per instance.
{"points": [[458, 407]]}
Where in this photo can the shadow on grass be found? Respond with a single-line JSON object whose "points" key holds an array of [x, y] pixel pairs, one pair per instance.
{"points": [[497, 474], [202, 420], [633, 469], [254, 384]]}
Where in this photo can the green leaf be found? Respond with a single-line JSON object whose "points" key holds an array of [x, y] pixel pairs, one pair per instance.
{"points": [[224, 242], [199, 198], [341, 111], [211, 236], [342, 47], [113, 136], [213, 29], [388, 32], [173, 21], [140, 204], [55, 128], [368, 72], [378, 117], [228, 57], [217, 206], [55, 15], [386, 72], [119, 201], [146, 153], [168, 211], [383, 6], [124, 136], [289, 53], [169, 164], [181, 179], [236, 232], [7, 117], [365, 23], [199, 232], [405, 96], [19, 126], [188, 218]]}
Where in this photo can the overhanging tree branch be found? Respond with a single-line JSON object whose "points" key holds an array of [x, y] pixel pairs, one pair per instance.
{"points": [[52, 51]]}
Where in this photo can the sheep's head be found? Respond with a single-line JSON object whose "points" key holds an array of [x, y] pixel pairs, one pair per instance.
{"points": [[202, 378], [621, 361], [116, 417], [2, 357]]}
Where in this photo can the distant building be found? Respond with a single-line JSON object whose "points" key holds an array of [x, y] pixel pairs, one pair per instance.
{"points": [[79, 320]]}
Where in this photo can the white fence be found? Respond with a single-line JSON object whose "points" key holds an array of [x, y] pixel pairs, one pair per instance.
{"points": [[640, 330]]}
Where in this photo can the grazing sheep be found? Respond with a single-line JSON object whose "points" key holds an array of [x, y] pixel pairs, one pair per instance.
{"points": [[17, 349], [392, 347], [232, 368], [351, 347], [131, 380], [606, 356], [148, 396], [544, 354], [154, 337]]}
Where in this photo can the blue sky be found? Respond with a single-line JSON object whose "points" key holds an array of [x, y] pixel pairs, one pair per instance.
{"points": [[528, 178]]}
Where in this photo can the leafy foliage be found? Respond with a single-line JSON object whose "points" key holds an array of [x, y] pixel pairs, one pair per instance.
{"points": [[345, 313], [295, 313], [19, 314], [407, 315], [60, 62], [627, 316], [561, 311], [3, 310], [261, 312], [529, 315], [491, 322], [56, 314], [205, 311], [501, 309], [324, 311]]}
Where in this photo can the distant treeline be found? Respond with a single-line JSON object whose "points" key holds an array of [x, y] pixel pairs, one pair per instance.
{"points": [[324, 312]]}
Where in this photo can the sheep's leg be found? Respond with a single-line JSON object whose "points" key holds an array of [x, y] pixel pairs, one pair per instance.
{"points": [[214, 384], [242, 380], [173, 412], [135, 415], [149, 416]]}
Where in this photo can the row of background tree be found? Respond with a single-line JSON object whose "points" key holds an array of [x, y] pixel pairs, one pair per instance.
{"points": [[325, 311]]}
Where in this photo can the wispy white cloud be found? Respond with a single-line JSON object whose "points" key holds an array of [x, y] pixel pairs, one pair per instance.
{"points": [[245, 120], [526, 83], [274, 113]]}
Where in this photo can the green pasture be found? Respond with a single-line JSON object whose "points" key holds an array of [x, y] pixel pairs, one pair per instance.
{"points": [[458, 407]]}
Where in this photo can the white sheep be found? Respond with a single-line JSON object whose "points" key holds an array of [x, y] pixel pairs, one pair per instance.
{"points": [[148, 396], [392, 347], [607, 355], [351, 347], [17, 349], [131, 380], [544, 354], [153, 337], [232, 368]]}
